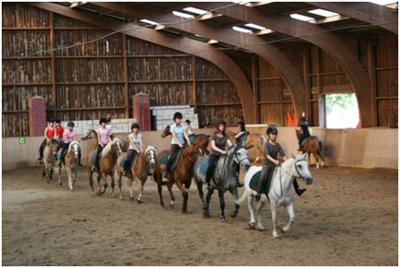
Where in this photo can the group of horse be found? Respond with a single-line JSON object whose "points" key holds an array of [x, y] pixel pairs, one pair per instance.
{"points": [[191, 163]]}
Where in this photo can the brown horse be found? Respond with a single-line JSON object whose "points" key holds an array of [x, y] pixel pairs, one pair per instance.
{"points": [[312, 145], [49, 158], [107, 162], [201, 139], [71, 163], [254, 143], [143, 166], [182, 175]]}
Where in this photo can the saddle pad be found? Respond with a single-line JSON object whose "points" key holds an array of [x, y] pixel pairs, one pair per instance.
{"points": [[203, 165], [93, 159], [255, 180], [122, 162], [302, 143], [164, 160]]}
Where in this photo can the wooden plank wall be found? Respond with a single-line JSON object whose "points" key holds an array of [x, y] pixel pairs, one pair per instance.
{"points": [[101, 75]]}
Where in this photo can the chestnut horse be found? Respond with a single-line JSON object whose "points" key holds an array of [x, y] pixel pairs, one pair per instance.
{"points": [[256, 152], [201, 139], [312, 145], [181, 175], [143, 166], [71, 163], [49, 158]]}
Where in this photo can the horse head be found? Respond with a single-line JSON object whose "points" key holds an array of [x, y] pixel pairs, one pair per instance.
{"points": [[151, 155], [113, 147], [74, 147], [192, 152], [239, 154], [91, 134], [301, 168], [54, 145], [166, 132]]}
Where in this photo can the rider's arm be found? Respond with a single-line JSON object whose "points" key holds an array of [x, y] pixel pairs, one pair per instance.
{"points": [[228, 141], [173, 134], [186, 136]]}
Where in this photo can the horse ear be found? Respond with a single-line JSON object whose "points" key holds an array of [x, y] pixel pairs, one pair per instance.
{"points": [[293, 156], [248, 146]]}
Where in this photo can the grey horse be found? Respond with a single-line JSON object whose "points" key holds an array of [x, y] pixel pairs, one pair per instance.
{"points": [[225, 177]]}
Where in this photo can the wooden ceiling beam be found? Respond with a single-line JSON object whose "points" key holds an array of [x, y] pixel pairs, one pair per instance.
{"points": [[316, 35], [374, 14], [226, 35], [198, 49]]}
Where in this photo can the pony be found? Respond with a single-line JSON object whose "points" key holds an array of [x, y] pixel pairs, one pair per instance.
{"points": [[224, 179], [254, 143], [281, 191], [181, 175], [142, 166], [71, 163], [312, 145], [49, 158], [201, 139], [108, 159]]}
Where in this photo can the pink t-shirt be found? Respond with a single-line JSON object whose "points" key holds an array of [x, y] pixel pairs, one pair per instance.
{"points": [[70, 135], [104, 134]]}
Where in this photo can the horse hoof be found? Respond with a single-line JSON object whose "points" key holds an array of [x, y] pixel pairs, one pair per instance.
{"points": [[223, 219], [234, 214], [206, 215], [260, 229], [132, 198], [139, 201], [252, 225]]}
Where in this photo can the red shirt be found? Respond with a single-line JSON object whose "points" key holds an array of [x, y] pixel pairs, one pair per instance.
{"points": [[50, 133], [59, 131]]}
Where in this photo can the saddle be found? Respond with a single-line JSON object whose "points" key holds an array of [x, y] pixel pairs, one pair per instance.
{"points": [[164, 160], [255, 181], [123, 160]]}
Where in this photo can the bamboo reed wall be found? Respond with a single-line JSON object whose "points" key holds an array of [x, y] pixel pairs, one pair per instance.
{"points": [[88, 81]]}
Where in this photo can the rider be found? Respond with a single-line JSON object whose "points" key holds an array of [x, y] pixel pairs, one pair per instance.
{"points": [[103, 137], [189, 130], [241, 136], [271, 151], [179, 135], [135, 146], [59, 131], [305, 131], [219, 140], [49, 133]]}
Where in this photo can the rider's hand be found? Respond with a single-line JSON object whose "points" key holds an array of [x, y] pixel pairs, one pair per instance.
{"points": [[180, 145]]}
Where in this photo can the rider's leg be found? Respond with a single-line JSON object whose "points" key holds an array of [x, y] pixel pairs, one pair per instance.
{"points": [[263, 179], [129, 157], [212, 163], [41, 149], [172, 154]]}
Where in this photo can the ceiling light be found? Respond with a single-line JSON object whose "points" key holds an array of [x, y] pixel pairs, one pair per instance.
{"points": [[302, 17], [194, 10], [242, 30], [212, 41], [149, 21], [323, 12], [183, 15], [255, 26]]}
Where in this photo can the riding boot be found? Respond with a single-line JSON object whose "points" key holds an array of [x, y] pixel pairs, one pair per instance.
{"points": [[79, 157], [41, 149], [165, 176]]}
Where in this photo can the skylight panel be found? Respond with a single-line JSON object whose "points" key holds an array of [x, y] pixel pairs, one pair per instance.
{"points": [[194, 10], [323, 12], [183, 15], [302, 18], [149, 22], [255, 26], [383, 2], [242, 30]]}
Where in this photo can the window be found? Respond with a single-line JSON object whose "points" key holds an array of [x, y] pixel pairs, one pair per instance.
{"points": [[341, 111]]}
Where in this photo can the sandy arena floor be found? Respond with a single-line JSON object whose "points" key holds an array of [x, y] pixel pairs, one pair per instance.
{"points": [[348, 216]]}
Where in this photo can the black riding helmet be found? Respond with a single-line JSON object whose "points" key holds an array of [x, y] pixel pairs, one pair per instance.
{"points": [[103, 120], [135, 125], [272, 130], [70, 124], [177, 115]]}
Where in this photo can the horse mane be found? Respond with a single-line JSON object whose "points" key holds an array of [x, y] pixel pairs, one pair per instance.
{"points": [[88, 135], [72, 144], [107, 149]]}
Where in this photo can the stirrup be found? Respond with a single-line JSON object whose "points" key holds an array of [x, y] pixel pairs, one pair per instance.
{"points": [[165, 177]]}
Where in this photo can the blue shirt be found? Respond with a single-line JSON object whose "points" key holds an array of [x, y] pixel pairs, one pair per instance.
{"points": [[178, 130]]}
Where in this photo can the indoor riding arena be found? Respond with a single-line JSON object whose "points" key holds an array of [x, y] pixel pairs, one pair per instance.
{"points": [[319, 77]]}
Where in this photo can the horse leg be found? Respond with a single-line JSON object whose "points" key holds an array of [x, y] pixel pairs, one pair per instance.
{"points": [[59, 175], [91, 182], [118, 181], [235, 195], [130, 188], [141, 181], [260, 205], [206, 209], [159, 188], [201, 193], [290, 210], [250, 204], [221, 204], [274, 220], [171, 194], [103, 188], [185, 195], [316, 160]]}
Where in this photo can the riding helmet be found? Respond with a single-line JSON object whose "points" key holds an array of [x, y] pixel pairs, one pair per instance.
{"points": [[187, 121], [135, 125], [58, 121], [220, 122], [103, 120], [272, 130], [177, 115], [70, 124]]}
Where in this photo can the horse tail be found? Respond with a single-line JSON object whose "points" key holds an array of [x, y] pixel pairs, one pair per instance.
{"points": [[320, 150], [242, 199]]}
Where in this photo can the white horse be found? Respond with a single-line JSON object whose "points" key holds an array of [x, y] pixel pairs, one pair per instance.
{"points": [[71, 163], [281, 192]]}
